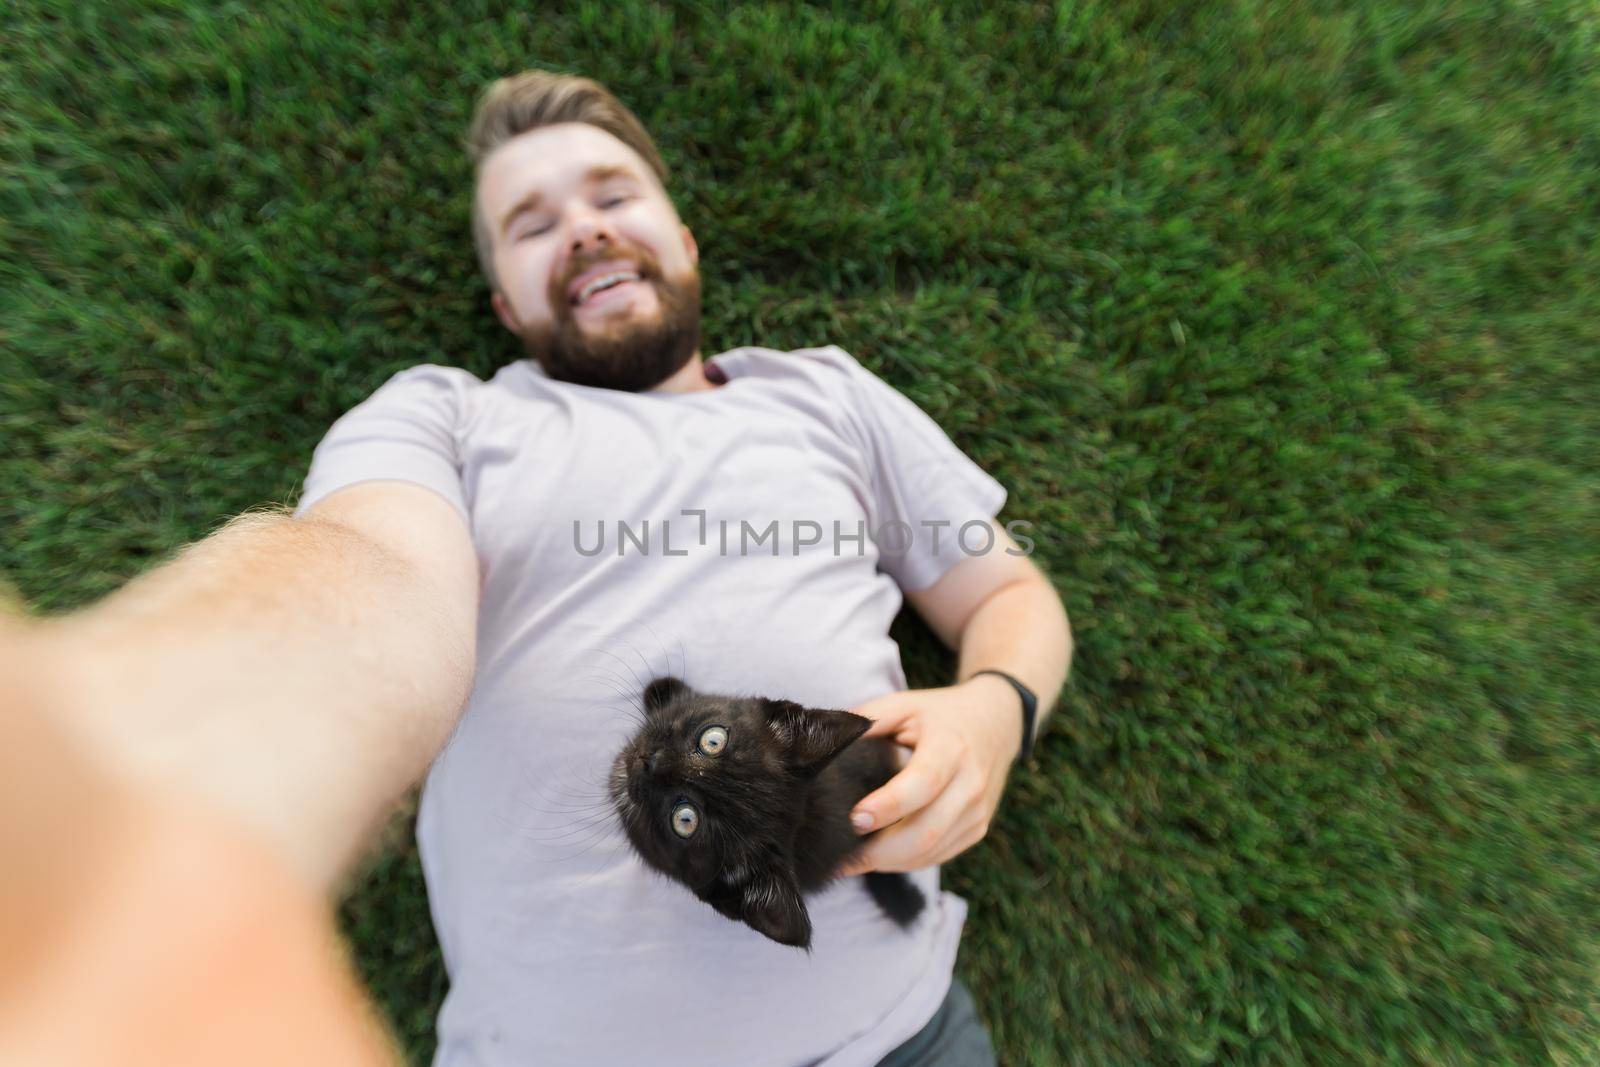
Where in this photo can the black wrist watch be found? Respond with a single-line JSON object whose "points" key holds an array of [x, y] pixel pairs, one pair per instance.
{"points": [[1030, 711]]}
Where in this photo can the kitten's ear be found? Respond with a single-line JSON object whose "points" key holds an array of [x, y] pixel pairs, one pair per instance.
{"points": [[811, 737], [771, 905], [768, 902], [661, 692]]}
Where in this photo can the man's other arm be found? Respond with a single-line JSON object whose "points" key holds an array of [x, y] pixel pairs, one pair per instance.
{"points": [[1001, 612], [297, 674]]}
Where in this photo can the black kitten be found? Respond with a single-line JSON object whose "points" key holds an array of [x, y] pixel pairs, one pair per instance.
{"points": [[747, 802]]}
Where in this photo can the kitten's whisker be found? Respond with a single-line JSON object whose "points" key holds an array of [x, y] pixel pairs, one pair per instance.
{"points": [[564, 853], [581, 811], [625, 665], [595, 672], [664, 653], [558, 828], [583, 882], [624, 704], [587, 848], [650, 672], [557, 841], [613, 685], [632, 713], [578, 799], [588, 791], [604, 865], [580, 804], [523, 831], [567, 847], [580, 833], [601, 668], [591, 790], [552, 807]]}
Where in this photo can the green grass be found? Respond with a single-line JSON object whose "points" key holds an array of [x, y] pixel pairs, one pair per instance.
{"points": [[1281, 322]]}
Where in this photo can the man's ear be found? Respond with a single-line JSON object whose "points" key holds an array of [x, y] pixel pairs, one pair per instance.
{"points": [[502, 310], [812, 737], [690, 245]]}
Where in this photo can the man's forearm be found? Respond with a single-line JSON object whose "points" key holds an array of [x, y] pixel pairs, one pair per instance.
{"points": [[295, 674], [1021, 629]]}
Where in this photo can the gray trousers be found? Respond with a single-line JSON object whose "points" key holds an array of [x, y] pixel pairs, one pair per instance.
{"points": [[954, 1037]]}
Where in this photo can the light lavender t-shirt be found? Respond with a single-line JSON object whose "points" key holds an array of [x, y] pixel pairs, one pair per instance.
{"points": [[625, 535]]}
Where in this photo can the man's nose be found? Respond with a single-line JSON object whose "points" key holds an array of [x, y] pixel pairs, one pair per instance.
{"points": [[590, 235]]}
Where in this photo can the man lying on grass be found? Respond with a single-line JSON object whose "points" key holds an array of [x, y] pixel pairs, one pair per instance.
{"points": [[480, 575]]}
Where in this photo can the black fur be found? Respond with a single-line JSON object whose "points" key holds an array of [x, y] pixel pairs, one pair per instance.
{"points": [[896, 894], [772, 808]]}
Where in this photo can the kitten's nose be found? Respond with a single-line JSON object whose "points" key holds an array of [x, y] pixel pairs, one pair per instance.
{"points": [[652, 762]]}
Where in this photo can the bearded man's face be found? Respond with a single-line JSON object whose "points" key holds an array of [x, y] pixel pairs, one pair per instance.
{"points": [[596, 274]]}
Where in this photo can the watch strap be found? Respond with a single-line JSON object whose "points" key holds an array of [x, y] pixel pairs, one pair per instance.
{"points": [[1030, 711]]}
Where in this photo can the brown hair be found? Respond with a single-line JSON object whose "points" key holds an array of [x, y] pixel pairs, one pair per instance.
{"points": [[534, 98]]}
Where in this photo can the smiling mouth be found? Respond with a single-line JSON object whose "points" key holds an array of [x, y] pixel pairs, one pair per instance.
{"points": [[611, 295], [596, 288]]}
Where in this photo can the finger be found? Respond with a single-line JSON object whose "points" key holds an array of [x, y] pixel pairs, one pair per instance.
{"points": [[888, 714], [920, 841], [965, 796], [924, 777]]}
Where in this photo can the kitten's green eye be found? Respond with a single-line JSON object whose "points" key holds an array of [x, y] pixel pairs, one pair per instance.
{"points": [[713, 739], [685, 820]]}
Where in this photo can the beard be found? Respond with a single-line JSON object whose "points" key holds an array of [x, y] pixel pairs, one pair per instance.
{"points": [[630, 356]]}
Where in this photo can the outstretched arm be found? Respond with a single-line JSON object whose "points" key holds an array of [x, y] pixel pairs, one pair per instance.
{"points": [[184, 937], [296, 674], [1001, 612]]}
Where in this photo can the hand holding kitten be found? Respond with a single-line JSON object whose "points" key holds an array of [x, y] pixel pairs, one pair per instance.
{"points": [[963, 740]]}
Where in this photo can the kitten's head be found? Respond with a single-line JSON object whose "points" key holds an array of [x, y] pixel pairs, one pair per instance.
{"points": [[710, 788]]}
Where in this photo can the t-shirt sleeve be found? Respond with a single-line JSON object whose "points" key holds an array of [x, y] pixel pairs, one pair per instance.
{"points": [[408, 430], [924, 490]]}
